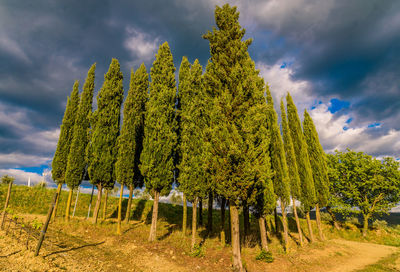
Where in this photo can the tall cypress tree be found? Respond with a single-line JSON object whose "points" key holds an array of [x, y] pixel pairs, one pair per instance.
{"points": [[278, 164], [238, 147], [60, 159], [130, 141], [319, 167], [194, 118], [183, 88], [77, 164], [294, 178], [160, 137], [303, 161], [103, 149]]}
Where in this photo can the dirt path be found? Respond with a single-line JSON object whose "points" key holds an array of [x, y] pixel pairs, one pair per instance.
{"points": [[364, 254], [85, 247]]}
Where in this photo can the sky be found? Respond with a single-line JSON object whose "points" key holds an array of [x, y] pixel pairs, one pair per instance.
{"points": [[339, 59]]}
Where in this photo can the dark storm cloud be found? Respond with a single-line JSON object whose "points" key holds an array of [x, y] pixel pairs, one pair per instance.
{"points": [[46, 45], [345, 49]]}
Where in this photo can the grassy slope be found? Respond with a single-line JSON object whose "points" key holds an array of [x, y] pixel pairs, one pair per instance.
{"points": [[32, 200]]}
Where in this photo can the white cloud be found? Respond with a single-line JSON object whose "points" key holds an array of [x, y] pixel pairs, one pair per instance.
{"points": [[280, 83], [22, 160], [333, 135], [21, 177], [43, 140], [141, 46]]}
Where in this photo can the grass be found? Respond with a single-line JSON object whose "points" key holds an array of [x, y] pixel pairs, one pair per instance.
{"points": [[385, 265], [36, 201]]}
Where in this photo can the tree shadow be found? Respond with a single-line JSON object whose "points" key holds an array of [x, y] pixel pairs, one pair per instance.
{"points": [[170, 229], [73, 248]]}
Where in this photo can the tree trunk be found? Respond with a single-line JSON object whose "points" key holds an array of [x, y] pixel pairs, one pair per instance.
{"points": [[335, 223], [53, 216], [276, 221], [246, 221], [318, 219], [263, 234], [285, 227], [6, 204], [76, 201], [68, 208], [194, 222], [128, 207], [229, 223], [121, 193], [184, 221], [98, 202], [223, 202], [310, 231], [235, 233], [210, 211], [297, 222], [152, 236], [365, 225], [105, 205], [200, 212]]}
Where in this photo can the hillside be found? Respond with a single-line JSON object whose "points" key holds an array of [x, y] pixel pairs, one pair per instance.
{"points": [[81, 246]]}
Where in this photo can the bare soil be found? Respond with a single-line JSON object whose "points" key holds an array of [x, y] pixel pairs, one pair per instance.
{"points": [[80, 246]]}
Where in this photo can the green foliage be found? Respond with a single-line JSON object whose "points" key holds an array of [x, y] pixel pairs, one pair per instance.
{"points": [[197, 251], [301, 151], [358, 180], [41, 184], [317, 160], [76, 158], [105, 128], [6, 179], [265, 256], [160, 138], [379, 224], [294, 177], [277, 153], [130, 142], [60, 159], [194, 119], [238, 138], [36, 224]]}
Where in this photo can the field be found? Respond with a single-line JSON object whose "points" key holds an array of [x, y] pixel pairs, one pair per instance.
{"points": [[79, 245]]}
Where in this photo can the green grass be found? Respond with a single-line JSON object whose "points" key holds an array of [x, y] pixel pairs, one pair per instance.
{"points": [[385, 265]]}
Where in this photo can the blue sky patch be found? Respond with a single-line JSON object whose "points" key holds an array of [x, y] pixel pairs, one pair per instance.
{"points": [[374, 125], [34, 169], [337, 105]]}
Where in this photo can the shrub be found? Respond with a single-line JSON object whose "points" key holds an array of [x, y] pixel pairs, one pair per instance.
{"points": [[265, 256], [197, 251], [379, 224]]}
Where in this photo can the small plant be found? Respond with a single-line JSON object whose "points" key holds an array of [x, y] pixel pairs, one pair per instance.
{"points": [[325, 217], [36, 224], [379, 224], [265, 256], [197, 251]]}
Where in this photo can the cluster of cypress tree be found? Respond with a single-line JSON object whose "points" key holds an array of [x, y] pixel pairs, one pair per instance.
{"points": [[218, 134]]}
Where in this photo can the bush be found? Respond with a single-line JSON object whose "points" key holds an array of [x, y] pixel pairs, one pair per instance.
{"points": [[326, 217], [379, 224], [265, 256], [41, 184], [197, 251]]}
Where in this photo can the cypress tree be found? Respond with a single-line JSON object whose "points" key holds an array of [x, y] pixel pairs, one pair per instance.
{"points": [[76, 165], [131, 139], [319, 167], [238, 147], [193, 177], [60, 158], [278, 164], [160, 137], [184, 85], [303, 161], [102, 151], [294, 179]]}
